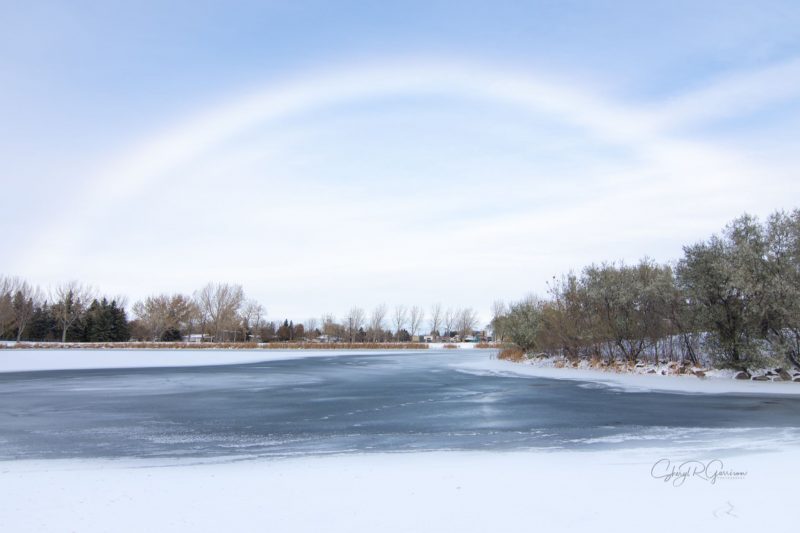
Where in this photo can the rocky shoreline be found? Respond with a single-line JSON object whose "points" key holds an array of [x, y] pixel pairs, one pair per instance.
{"points": [[669, 368]]}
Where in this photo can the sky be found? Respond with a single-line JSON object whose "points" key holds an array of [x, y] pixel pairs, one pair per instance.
{"points": [[332, 154]]}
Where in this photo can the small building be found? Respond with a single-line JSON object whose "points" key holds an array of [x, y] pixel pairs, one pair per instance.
{"points": [[197, 337]]}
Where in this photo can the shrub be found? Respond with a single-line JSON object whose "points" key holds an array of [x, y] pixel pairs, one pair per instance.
{"points": [[513, 354]]}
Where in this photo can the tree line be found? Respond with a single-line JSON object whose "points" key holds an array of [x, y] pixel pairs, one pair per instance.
{"points": [[732, 300], [218, 312], [71, 312]]}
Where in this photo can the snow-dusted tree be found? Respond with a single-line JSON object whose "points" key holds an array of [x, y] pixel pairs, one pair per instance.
{"points": [[781, 306], [724, 278], [70, 301], [523, 322]]}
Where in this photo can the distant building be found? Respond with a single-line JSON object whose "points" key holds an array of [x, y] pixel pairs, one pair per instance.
{"points": [[327, 338], [197, 337]]}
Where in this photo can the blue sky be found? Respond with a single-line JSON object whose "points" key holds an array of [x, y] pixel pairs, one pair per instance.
{"points": [[341, 153]]}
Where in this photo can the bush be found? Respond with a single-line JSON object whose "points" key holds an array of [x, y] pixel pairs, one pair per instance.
{"points": [[514, 355]]}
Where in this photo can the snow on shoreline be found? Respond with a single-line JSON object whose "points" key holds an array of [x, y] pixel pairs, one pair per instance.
{"points": [[85, 359], [715, 382], [27, 360], [439, 491]]}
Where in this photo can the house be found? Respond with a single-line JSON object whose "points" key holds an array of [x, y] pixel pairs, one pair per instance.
{"points": [[197, 337], [327, 338]]}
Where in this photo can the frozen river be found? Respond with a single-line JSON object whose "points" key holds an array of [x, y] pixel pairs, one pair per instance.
{"points": [[386, 401]]}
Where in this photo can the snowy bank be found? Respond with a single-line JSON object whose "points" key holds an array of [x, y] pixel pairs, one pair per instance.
{"points": [[82, 359], [714, 382], [442, 491]]}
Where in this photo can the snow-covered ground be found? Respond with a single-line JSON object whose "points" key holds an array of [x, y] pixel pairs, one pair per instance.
{"points": [[22, 360], [419, 492], [715, 382], [75, 359]]}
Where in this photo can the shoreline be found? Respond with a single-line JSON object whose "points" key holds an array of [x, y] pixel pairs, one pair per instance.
{"points": [[638, 379], [101, 359]]}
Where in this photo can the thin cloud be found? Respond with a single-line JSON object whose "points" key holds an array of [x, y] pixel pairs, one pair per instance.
{"points": [[664, 171]]}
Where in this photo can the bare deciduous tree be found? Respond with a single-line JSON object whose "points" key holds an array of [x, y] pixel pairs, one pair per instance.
{"points": [[376, 322], [416, 316], [498, 312], [449, 322], [467, 320], [251, 315], [355, 321], [18, 300], [219, 305], [153, 314], [436, 319], [26, 299], [8, 287], [311, 328], [70, 300], [399, 318], [329, 326], [161, 313]]}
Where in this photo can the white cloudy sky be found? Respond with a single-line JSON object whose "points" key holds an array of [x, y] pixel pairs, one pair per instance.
{"points": [[327, 154]]}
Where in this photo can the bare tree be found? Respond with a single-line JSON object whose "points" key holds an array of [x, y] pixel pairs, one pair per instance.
{"points": [[153, 313], [251, 314], [8, 287], [449, 322], [399, 318], [498, 312], [436, 319], [311, 328], [70, 301], [219, 305], [26, 299], [467, 320], [18, 300], [162, 313], [355, 321], [329, 326], [416, 316], [376, 322]]}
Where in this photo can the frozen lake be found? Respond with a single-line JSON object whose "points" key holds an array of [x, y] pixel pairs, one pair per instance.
{"points": [[381, 402]]}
